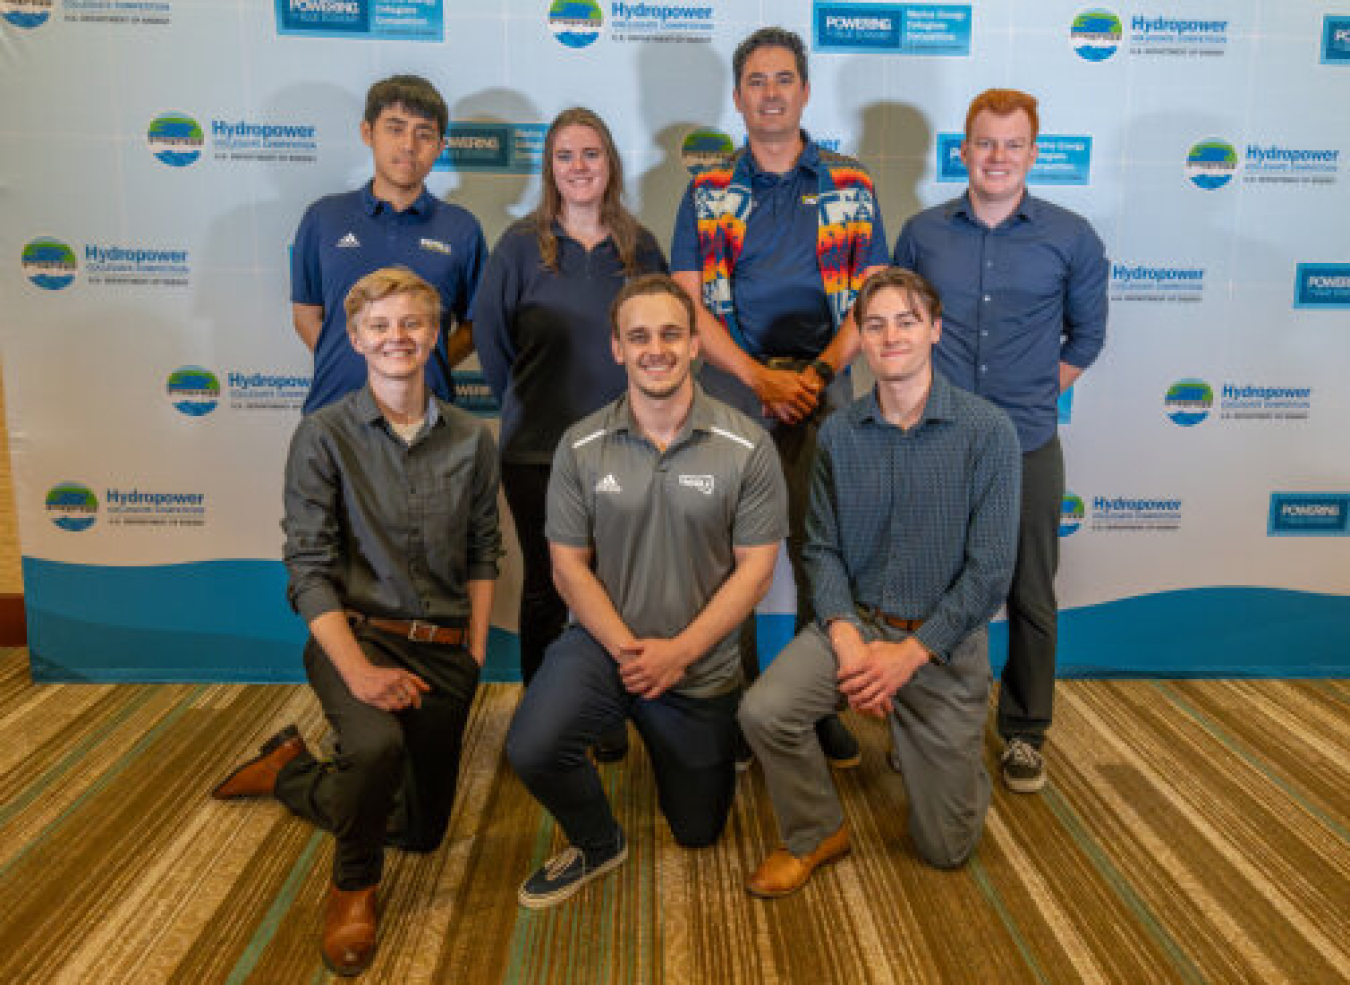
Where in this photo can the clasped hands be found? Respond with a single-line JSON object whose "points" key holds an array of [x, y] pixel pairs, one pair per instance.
{"points": [[871, 673]]}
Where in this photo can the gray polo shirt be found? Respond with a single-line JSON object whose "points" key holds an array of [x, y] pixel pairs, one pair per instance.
{"points": [[663, 525]]}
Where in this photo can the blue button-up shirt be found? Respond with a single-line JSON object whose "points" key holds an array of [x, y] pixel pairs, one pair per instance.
{"points": [[781, 307], [1017, 300], [921, 524]]}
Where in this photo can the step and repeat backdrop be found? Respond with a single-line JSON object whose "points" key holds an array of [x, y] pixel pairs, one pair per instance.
{"points": [[158, 154]]}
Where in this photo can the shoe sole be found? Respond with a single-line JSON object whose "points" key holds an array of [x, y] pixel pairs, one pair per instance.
{"points": [[1024, 786], [779, 894], [845, 763], [266, 749], [344, 971], [532, 901]]}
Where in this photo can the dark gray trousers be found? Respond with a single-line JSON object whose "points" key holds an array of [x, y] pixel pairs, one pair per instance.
{"points": [[393, 779], [1027, 697], [936, 729]]}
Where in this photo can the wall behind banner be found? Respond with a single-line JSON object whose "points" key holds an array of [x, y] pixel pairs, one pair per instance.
{"points": [[158, 154]]}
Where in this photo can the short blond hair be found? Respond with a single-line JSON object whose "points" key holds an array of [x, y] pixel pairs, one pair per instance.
{"points": [[386, 282]]}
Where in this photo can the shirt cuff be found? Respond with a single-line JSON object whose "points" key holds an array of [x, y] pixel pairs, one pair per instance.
{"points": [[315, 600], [483, 571]]}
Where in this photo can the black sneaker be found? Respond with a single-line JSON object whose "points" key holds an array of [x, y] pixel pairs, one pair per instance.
{"points": [[1023, 767], [838, 743], [566, 872]]}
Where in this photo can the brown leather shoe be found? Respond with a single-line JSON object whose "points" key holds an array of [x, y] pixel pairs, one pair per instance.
{"points": [[258, 777], [349, 930], [783, 873]]}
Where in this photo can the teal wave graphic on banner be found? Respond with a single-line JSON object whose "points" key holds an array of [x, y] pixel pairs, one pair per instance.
{"points": [[228, 621]]}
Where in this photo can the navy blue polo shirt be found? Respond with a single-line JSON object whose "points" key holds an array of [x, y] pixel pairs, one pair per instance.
{"points": [[344, 237], [1017, 300], [780, 302]]}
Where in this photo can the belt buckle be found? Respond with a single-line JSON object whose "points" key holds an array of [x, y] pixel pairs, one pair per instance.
{"points": [[418, 625]]}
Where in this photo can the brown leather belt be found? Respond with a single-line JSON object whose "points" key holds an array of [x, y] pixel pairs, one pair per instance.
{"points": [[908, 625], [416, 630]]}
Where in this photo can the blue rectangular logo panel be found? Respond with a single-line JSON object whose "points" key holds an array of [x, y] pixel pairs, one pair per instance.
{"points": [[1309, 515], [493, 148], [894, 29], [1322, 285], [1336, 40], [1061, 159], [372, 20]]}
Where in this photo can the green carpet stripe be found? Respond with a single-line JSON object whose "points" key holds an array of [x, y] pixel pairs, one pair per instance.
{"points": [[1092, 848], [56, 770], [281, 904], [524, 939], [104, 781], [1239, 749], [996, 901]]}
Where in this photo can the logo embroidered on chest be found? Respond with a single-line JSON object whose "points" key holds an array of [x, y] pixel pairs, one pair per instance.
{"points": [[434, 245], [703, 483], [608, 484], [348, 242]]}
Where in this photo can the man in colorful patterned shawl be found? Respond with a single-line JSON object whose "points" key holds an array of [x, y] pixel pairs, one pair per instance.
{"points": [[775, 242]]}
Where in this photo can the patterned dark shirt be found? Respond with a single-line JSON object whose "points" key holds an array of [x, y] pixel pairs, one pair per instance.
{"points": [[921, 524]]}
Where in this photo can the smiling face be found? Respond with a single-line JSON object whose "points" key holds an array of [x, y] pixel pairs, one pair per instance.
{"points": [[580, 166], [898, 336], [404, 146], [396, 335], [771, 95], [998, 152], [655, 344]]}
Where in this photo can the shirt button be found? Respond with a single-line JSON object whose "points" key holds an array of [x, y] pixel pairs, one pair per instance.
{"points": [[984, 369], [986, 299], [984, 331]]}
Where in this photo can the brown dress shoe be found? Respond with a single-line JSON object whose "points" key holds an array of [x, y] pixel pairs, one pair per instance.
{"points": [[349, 930], [258, 777], [783, 873]]}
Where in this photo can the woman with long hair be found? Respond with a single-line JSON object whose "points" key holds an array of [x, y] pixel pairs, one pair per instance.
{"points": [[541, 326]]}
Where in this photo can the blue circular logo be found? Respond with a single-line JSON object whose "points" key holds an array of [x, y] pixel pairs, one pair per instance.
{"points": [[1095, 34], [26, 14], [175, 139], [576, 23], [1071, 512], [49, 263], [705, 148], [1211, 164], [1188, 402], [72, 506], [194, 391]]}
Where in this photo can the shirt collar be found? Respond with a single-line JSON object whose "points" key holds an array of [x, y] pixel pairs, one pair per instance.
{"points": [[700, 416], [808, 161], [369, 411], [374, 206], [1028, 208], [940, 405]]}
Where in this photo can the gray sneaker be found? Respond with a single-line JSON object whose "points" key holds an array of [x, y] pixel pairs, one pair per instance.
{"points": [[566, 872], [1023, 767]]}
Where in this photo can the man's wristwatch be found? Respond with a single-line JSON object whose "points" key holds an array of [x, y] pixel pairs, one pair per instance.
{"points": [[823, 369]]}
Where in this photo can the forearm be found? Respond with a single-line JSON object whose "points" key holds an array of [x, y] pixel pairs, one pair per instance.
{"points": [[480, 617], [334, 634], [308, 322], [592, 606], [716, 342], [459, 344], [731, 604]]}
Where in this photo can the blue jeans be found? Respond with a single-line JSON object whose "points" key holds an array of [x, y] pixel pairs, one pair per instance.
{"points": [[576, 697]]}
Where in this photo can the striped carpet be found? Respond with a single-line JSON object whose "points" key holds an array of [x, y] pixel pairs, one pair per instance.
{"points": [[1194, 831]]}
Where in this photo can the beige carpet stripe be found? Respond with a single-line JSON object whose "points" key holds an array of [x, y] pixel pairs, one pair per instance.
{"points": [[1047, 904], [1192, 832], [1226, 838], [1159, 861]]}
